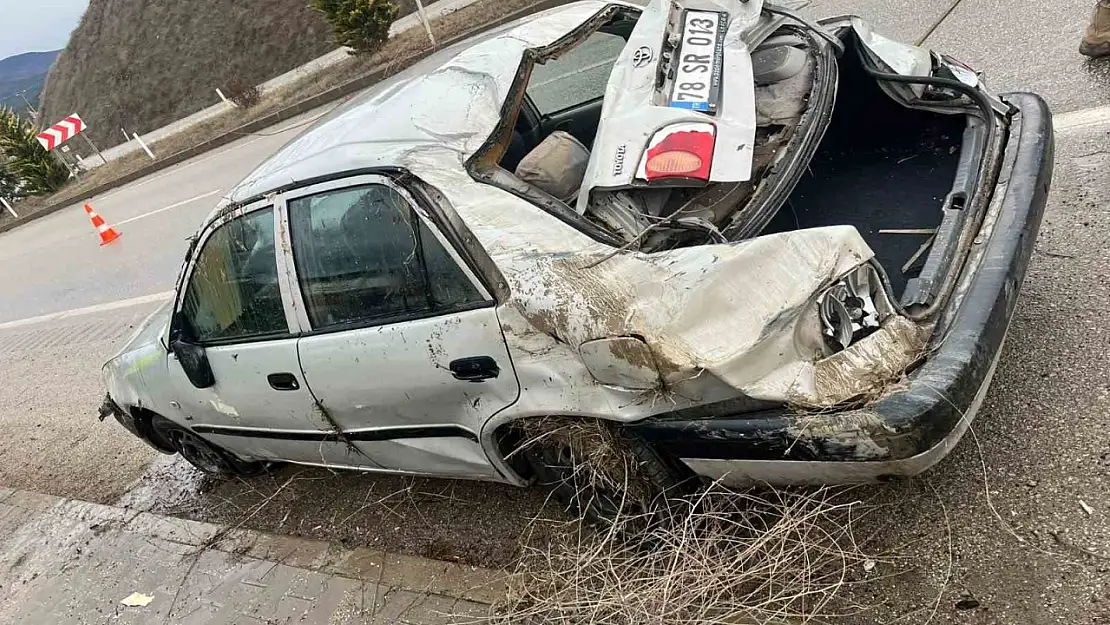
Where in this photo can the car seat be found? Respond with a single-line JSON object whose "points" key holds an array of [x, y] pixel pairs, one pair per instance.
{"points": [[557, 166]]}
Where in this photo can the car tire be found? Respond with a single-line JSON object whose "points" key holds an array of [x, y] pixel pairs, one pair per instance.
{"points": [[553, 466], [208, 457]]}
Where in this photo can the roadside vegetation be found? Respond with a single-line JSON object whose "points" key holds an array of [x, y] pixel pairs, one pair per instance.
{"points": [[361, 25], [25, 167], [752, 557], [396, 54], [139, 65]]}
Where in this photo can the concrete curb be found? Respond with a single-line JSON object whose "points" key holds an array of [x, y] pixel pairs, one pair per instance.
{"points": [[354, 86], [408, 574]]}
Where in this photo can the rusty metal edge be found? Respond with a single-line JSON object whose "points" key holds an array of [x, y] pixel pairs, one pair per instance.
{"points": [[289, 112]]}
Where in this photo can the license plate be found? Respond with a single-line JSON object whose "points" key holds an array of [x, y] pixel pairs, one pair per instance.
{"points": [[701, 54]]}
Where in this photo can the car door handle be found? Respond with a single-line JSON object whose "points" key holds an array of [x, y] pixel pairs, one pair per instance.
{"points": [[475, 368], [283, 382]]}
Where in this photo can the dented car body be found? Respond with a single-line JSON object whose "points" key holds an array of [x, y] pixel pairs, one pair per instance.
{"points": [[770, 249]]}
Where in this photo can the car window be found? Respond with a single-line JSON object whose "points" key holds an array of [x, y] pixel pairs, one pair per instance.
{"points": [[580, 75], [233, 292], [363, 256]]}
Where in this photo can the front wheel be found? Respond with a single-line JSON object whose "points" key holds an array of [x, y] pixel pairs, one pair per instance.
{"points": [[597, 471], [203, 455]]}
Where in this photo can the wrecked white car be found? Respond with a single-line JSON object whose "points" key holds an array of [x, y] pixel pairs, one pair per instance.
{"points": [[748, 246]]}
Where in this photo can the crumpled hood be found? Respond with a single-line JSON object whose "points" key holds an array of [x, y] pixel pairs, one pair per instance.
{"points": [[743, 312]]}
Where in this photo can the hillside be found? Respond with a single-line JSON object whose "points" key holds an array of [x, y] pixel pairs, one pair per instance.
{"points": [[141, 64], [23, 73]]}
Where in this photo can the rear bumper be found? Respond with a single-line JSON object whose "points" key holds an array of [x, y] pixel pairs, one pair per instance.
{"points": [[909, 431]]}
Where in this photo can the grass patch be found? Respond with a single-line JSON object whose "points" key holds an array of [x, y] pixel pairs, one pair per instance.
{"points": [[756, 557]]}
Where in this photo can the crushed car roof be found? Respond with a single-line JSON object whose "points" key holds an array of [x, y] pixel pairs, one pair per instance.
{"points": [[450, 101]]}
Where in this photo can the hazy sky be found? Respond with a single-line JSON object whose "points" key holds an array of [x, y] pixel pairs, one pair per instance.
{"points": [[37, 25]]}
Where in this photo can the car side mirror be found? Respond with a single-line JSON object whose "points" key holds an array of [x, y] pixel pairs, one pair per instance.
{"points": [[194, 361]]}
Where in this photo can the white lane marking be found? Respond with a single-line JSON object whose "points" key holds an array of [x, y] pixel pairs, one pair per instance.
{"points": [[88, 310], [1084, 118], [170, 207]]}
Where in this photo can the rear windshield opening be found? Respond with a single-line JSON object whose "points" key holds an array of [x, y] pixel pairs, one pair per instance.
{"points": [[566, 93]]}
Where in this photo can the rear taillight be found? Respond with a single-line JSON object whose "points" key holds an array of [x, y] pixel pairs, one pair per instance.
{"points": [[680, 151]]}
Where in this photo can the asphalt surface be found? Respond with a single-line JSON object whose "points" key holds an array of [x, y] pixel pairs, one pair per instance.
{"points": [[996, 534], [1020, 46], [156, 215]]}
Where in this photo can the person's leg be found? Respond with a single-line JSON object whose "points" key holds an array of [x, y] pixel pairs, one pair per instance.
{"points": [[1096, 41]]}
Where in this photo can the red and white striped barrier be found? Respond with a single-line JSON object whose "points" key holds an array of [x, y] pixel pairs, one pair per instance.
{"points": [[61, 132]]}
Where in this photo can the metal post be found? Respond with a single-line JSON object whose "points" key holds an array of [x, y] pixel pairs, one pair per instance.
{"points": [[30, 109], [9, 207], [224, 98], [126, 137], [95, 149], [424, 18], [70, 166], [142, 143]]}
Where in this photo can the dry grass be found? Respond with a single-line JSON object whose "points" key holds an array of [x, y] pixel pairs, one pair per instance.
{"points": [[595, 454], [726, 557], [723, 556]]}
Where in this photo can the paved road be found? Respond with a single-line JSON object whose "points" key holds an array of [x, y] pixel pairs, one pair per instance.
{"points": [[74, 563], [156, 215], [1022, 46], [1019, 46], [1000, 521]]}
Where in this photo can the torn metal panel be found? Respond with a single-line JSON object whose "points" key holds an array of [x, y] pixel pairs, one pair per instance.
{"points": [[735, 312], [901, 58], [867, 368]]}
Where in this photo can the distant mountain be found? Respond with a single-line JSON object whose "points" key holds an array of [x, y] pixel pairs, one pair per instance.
{"points": [[24, 73]]}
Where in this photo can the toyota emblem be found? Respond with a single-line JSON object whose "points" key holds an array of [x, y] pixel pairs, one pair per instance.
{"points": [[642, 56]]}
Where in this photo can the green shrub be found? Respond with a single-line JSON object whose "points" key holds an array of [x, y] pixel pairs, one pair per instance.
{"points": [[362, 25], [9, 183], [37, 171]]}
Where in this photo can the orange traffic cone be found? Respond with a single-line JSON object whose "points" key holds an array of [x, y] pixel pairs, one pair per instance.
{"points": [[106, 232]]}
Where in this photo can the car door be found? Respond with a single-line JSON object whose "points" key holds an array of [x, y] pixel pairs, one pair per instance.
{"points": [[234, 304], [401, 344]]}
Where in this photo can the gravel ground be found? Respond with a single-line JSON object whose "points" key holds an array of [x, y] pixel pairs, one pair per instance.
{"points": [[52, 441], [469, 522]]}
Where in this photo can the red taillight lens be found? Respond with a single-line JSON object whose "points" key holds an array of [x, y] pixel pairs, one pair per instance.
{"points": [[681, 151], [676, 162]]}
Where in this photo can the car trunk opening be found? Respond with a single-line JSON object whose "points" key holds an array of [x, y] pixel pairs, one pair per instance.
{"points": [[846, 129], [886, 169]]}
